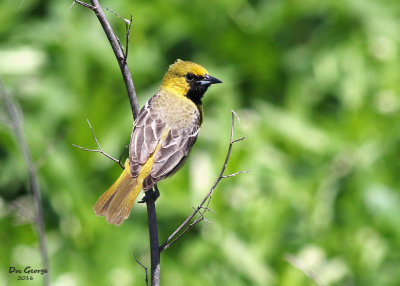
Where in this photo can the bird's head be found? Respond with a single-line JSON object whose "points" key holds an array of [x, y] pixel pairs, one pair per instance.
{"points": [[188, 79]]}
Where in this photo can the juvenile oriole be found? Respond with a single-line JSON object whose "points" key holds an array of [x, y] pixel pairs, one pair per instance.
{"points": [[162, 137]]}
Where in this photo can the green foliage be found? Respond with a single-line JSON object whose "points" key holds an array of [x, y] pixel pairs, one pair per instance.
{"points": [[316, 85]]}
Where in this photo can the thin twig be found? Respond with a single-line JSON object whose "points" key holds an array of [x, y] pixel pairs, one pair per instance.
{"points": [[128, 25], [234, 174], [186, 225], [207, 209], [128, 31], [240, 139], [144, 267], [237, 117], [118, 52], [33, 180], [82, 4], [100, 150], [119, 16]]}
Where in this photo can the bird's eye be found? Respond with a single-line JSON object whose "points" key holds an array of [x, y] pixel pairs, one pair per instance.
{"points": [[190, 77]]}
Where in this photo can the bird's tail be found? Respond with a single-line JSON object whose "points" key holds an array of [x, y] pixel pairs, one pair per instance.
{"points": [[116, 203]]}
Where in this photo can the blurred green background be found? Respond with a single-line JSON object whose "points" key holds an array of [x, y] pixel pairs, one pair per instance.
{"points": [[316, 85]]}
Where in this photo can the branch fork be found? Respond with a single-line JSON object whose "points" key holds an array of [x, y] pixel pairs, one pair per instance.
{"points": [[117, 48], [100, 150]]}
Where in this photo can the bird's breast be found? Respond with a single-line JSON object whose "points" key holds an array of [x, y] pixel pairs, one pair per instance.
{"points": [[178, 111]]}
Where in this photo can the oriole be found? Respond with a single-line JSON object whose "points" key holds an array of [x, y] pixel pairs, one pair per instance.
{"points": [[162, 137]]}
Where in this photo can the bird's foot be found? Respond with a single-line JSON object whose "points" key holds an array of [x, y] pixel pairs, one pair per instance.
{"points": [[150, 195]]}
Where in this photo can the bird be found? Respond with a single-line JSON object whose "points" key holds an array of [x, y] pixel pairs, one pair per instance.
{"points": [[163, 135]]}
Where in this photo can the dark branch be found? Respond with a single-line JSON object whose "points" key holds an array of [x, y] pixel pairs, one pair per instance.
{"points": [[122, 62], [33, 180], [100, 150], [203, 207], [153, 235]]}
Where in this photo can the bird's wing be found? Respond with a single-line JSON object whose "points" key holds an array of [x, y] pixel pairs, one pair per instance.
{"points": [[172, 154], [170, 145], [147, 132]]}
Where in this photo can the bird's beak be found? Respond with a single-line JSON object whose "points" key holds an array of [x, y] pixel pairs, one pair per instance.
{"points": [[208, 80]]}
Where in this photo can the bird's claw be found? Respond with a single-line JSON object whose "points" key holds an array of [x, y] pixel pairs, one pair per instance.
{"points": [[150, 195]]}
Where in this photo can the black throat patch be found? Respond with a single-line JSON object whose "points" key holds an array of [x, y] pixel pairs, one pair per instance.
{"points": [[196, 92]]}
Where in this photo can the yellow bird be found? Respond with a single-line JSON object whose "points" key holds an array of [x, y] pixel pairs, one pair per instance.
{"points": [[163, 135]]}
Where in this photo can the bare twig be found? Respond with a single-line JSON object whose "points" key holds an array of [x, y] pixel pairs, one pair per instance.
{"points": [[128, 31], [237, 117], [118, 52], [128, 24], [100, 150], [203, 207], [128, 27], [207, 209], [82, 4], [234, 174], [119, 16], [240, 139], [144, 267], [33, 180]]}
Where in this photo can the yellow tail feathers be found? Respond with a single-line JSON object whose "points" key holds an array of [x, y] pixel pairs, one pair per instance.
{"points": [[116, 203]]}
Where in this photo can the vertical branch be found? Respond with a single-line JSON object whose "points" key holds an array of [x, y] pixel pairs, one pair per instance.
{"points": [[33, 181], [126, 74], [154, 246]]}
